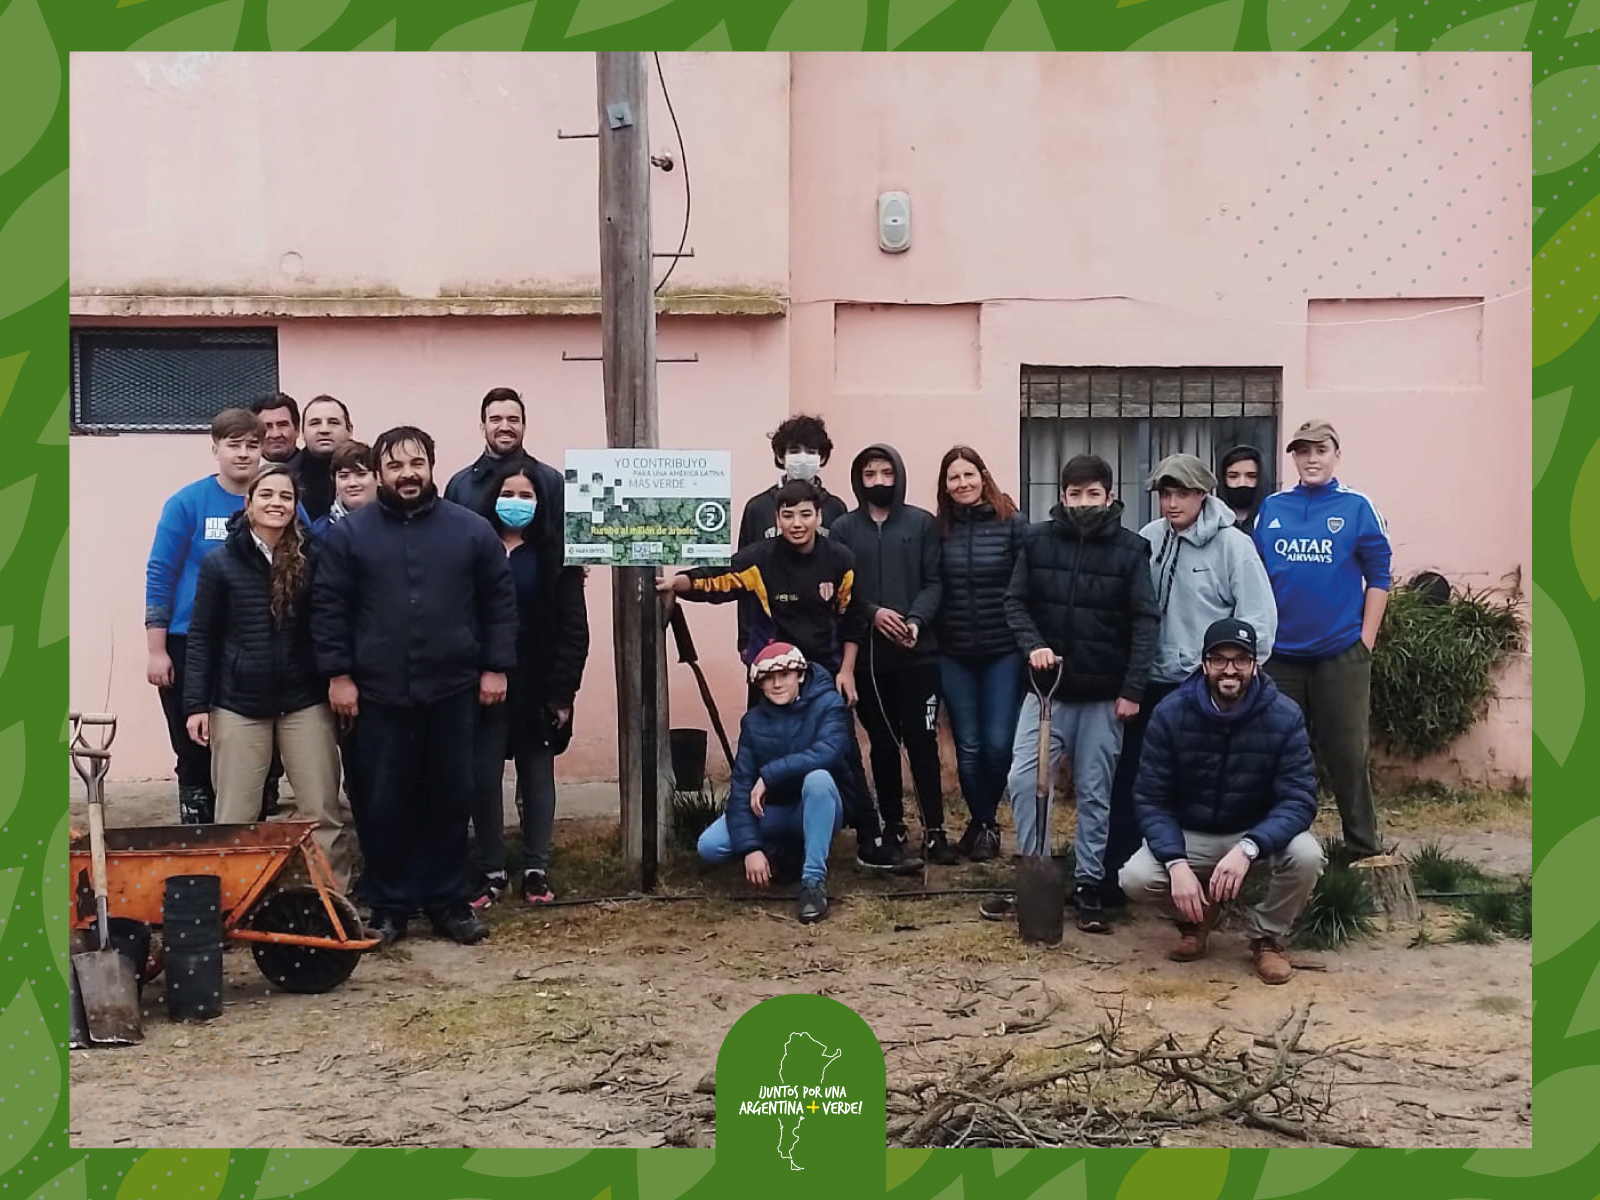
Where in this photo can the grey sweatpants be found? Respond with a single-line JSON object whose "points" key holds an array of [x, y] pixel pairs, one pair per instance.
{"points": [[1091, 736], [1294, 870]]}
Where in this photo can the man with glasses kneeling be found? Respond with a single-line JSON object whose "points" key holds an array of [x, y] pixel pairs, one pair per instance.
{"points": [[1225, 785]]}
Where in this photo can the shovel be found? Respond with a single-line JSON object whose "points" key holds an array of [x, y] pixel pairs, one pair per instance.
{"points": [[1041, 891], [107, 982]]}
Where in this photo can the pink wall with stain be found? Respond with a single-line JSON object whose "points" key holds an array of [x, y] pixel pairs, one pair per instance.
{"points": [[1069, 210]]}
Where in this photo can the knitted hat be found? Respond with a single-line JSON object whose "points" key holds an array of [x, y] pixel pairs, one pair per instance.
{"points": [[776, 656]]}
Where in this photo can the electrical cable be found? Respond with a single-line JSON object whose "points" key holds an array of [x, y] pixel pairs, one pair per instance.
{"points": [[683, 159]]}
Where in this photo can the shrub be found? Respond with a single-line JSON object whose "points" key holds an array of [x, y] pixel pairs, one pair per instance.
{"points": [[1339, 910], [1433, 668], [1435, 869]]}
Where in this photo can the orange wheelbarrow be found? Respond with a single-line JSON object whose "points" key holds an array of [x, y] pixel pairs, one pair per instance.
{"points": [[306, 937]]}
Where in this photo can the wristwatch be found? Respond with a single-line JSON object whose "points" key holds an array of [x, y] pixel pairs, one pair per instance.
{"points": [[1251, 850]]}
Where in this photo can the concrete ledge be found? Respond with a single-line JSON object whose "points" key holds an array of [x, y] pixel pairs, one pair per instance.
{"points": [[679, 304]]}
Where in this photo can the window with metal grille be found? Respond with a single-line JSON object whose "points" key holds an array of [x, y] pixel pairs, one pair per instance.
{"points": [[167, 380], [1133, 417]]}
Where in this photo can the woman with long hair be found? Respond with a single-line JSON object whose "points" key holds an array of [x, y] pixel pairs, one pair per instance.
{"points": [[981, 669], [251, 676], [535, 723]]}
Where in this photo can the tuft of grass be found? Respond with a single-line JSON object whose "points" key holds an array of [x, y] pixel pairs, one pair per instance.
{"points": [[1340, 910], [1433, 671], [692, 814], [1435, 869], [1474, 931], [1505, 912]]}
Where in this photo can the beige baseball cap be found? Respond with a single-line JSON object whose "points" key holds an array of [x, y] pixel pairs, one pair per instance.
{"points": [[1313, 431]]}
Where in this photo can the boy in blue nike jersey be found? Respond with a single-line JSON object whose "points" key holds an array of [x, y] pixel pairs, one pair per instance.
{"points": [[1326, 548]]}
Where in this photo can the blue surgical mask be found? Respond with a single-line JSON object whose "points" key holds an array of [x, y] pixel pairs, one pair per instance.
{"points": [[515, 511]]}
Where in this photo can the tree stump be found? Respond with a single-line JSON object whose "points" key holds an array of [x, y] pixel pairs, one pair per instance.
{"points": [[1388, 881]]}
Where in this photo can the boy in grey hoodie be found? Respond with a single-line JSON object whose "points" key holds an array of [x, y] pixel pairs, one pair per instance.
{"points": [[1204, 569]]}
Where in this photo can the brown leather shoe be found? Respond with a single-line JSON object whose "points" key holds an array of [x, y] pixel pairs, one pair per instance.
{"points": [[1272, 964], [1192, 938]]}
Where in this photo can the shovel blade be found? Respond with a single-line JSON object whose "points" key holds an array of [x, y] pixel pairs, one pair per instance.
{"points": [[110, 992], [77, 1021]]}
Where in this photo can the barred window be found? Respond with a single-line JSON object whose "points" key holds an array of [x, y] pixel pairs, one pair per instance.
{"points": [[1133, 417], [167, 380]]}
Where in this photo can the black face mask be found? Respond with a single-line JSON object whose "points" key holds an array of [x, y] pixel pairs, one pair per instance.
{"points": [[880, 495], [1240, 499]]}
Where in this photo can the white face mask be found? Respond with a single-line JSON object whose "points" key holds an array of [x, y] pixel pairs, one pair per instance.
{"points": [[802, 466]]}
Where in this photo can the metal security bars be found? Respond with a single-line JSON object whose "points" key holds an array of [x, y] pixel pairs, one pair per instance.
{"points": [[167, 380], [1135, 416]]}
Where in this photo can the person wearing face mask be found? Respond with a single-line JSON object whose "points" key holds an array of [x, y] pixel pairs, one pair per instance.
{"points": [[1082, 608], [414, 618], [1242, 485], [890, 670], [251, 678], [801, 447], [1204, 570], [535, 723], [1327, 552]]}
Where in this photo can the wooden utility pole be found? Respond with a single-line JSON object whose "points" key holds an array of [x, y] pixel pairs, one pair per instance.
{"points": [[628, 356]]}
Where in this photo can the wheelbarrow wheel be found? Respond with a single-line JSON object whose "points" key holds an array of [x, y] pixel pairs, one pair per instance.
{"points": [[305, 969]]}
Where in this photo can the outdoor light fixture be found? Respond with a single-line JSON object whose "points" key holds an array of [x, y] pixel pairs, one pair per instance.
{"points": [[894, 222]]}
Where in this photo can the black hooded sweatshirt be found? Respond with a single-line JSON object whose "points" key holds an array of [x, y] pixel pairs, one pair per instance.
{"points": [[897, 567], [1246, 499]]}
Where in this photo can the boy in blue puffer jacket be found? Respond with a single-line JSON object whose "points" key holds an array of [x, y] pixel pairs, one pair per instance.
{"points": [[784, 793], [1226, 784]]}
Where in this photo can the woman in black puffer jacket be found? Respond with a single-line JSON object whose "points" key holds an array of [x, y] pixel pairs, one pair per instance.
{"points": [[252, 679], [980, 668]]}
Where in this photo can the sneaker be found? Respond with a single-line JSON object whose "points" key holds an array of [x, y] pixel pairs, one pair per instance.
{"points": [[938, 850], [536, 887], [897, 835], [997, 908], [196, 805], [969, 839], [987, 846], [813, 905], [1091, 916], [887, 856], [494, 886], [1272, 964], [387, 927], [460, 925], [1191, 945]]}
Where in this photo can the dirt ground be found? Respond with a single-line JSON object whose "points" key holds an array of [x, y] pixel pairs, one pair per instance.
{"points": [[593, 1025]]}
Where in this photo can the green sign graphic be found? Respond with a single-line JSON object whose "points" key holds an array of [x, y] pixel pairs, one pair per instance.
{"points": [[800, 1097], [648, 508]]}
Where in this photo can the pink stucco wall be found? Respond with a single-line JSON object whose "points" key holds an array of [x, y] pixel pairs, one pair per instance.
{"points": [[1072, 210]]}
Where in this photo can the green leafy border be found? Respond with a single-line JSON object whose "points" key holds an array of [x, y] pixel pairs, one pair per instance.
{"points": [[35, 37]]}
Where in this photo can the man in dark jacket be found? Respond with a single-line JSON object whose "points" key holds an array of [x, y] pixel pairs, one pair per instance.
{"points": [[783, 790], [504, 421], [1083, 610], [326, 426], [415, 622], [801, 584], [1226, 784], [890, 672]]}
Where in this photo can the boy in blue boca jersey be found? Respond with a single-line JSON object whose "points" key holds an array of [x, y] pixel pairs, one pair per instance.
{"points": [[1326, 548], [194, 522]]}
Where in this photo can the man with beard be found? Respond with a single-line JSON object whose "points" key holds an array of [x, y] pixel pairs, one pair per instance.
{"points": [[1226, 785], [327, 426], [415, 622], [1242, 487], [504, 421]]}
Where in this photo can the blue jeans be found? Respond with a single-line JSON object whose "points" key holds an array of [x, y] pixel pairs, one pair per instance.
{"points": [[982, 696], [814, 821], [1091, 735]]}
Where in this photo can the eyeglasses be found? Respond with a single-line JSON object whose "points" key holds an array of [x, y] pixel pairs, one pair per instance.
{"points": [[1239, 665]]}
